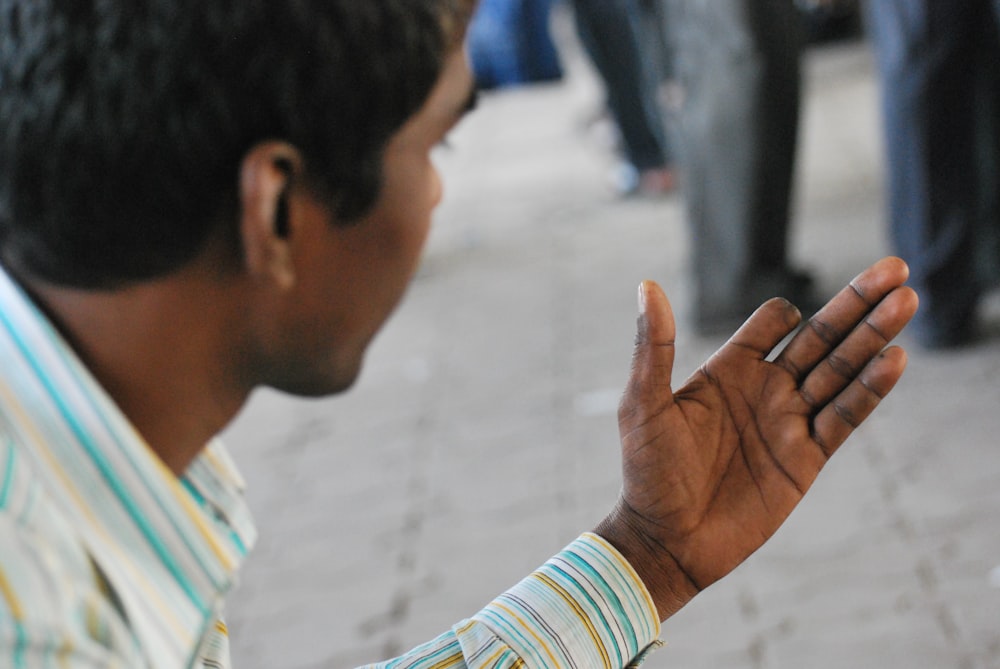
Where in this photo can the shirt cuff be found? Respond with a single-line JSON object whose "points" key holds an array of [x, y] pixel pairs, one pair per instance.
{"points": [[586, 607]]}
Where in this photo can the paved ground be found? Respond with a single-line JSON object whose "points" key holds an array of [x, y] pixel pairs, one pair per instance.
{"points": [[507, 359]]}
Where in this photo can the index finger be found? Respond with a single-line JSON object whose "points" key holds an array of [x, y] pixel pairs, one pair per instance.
{"points": [[831, 324]]}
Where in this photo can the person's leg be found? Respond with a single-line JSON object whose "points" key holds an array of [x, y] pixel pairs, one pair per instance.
{"points": [[539, 58], [988, 134], [777, 30], [608, 30], [926, 53], [654, 38], [738, 61], [509, 43]]}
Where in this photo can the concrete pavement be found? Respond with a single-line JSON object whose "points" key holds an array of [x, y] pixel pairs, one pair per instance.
{"points": [[481, 437]]}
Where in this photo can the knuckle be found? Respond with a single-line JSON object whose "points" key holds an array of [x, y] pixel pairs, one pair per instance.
{"points": [[847, 414], [841, 366], [826, 332]]}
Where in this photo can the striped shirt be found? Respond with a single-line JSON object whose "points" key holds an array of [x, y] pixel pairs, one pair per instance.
{"points": [[107, 559]]}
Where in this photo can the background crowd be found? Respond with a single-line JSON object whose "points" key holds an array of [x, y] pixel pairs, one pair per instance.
{"points": [[706, 98]]}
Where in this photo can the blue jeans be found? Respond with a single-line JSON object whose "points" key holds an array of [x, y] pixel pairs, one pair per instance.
{"points": [[611, 33], [938, 63], [509, 43]]}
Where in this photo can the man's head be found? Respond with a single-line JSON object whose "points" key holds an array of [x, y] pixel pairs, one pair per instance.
{"points": [[123, 125], [246, 182]]}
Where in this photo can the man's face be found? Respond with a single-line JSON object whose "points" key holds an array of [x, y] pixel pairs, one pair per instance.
{"points": [[353, 276]]}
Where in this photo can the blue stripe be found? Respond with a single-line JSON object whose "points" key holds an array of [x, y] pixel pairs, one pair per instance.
{"points": [[540, 622], [501, 622], [204, 504], [409, 660], [70, 366], [501, 661], [7, 606], [637, 601], [28, 506], [611, 596], [20, 645], [194, 492], [105, 469], [568, 578], [8, 475], [238, 542]]}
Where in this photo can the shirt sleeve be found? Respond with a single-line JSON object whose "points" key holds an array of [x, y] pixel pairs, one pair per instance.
{"points": [[584, 608]]}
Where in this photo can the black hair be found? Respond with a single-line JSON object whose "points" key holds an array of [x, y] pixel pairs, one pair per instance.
{"points": [[123, 122]]}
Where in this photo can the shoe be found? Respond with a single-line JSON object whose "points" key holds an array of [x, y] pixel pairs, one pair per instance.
{"points": [[940, 335], [653, 182], [945, 324], [657, 182], [796, 286], [801, 291]]}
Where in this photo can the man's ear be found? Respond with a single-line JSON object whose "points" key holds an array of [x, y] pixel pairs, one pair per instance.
{"points": [[266, 175]]}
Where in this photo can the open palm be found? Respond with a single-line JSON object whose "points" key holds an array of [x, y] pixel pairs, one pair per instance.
{"points": [[713, 469]]}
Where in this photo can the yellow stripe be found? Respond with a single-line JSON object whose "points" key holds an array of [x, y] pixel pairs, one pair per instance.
{"points": [[195, 513], [64, 653], [222, 465], [92, 619], [221, 628], [466, 627], [491, 640], [528, 628], [494, 657], [8, 593], [581, 614], [450, 662]]}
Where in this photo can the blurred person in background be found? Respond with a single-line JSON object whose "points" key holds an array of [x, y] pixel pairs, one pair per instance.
{"points": [[509, 44], [738, 64], [614, 35], [939, 64]]}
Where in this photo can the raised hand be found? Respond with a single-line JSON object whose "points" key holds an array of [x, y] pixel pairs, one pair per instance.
{"points": [[711, 471]]}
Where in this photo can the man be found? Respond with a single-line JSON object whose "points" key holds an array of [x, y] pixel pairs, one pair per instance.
{"points": [[738, 62], [940, 105], [612, 35], [200, 198]]}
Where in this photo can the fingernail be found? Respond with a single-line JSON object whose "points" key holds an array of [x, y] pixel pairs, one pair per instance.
{"points": [[642, 297]]}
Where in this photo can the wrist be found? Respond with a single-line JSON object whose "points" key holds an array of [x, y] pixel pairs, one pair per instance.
{"points": [[668, 585]]}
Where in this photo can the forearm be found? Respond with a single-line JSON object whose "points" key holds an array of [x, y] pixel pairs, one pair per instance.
{"points": [[585, 607]]}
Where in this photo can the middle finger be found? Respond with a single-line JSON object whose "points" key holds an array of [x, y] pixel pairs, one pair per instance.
{"points": [[842, 365]]}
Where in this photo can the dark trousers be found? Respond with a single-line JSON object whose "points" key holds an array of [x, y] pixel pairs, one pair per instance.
{"points": [[738, 62], [611, 33], [939, 64]]}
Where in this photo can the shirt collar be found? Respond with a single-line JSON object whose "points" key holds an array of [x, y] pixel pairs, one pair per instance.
{"points": [[170, 547]]}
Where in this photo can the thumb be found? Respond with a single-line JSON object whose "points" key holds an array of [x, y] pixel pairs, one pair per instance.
{"points": [[653, 357]]}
